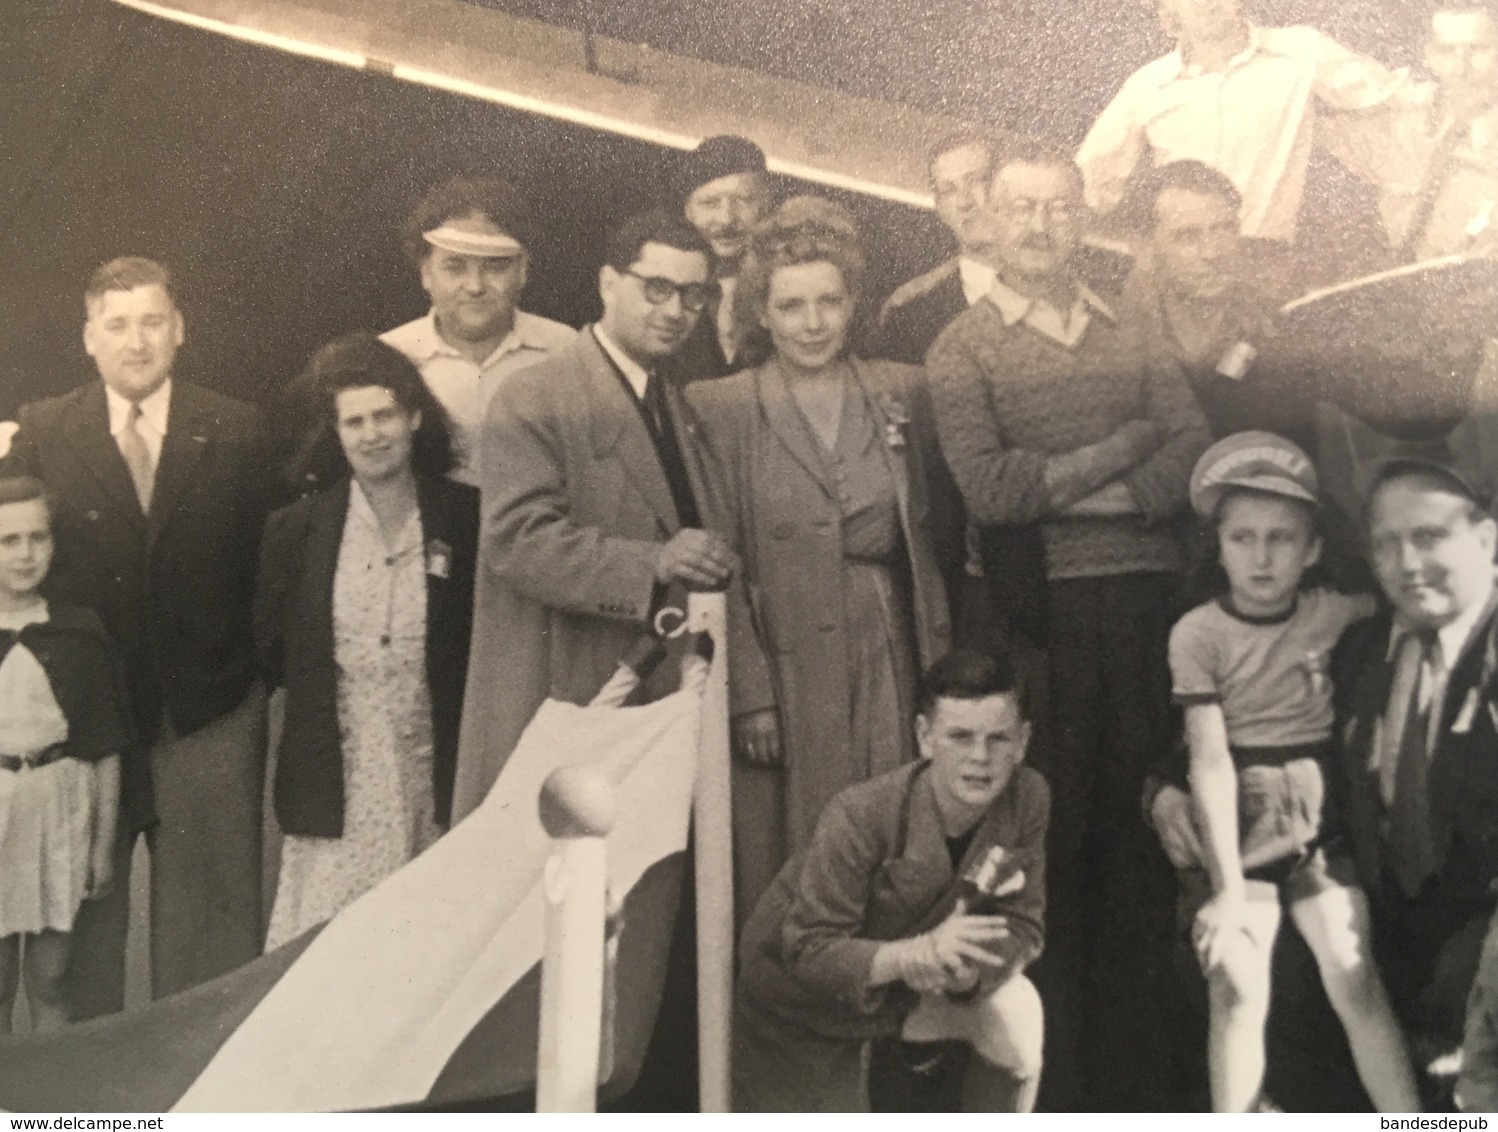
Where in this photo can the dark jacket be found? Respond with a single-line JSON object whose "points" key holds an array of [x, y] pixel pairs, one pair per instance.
{"points": [[700, 357], [173, 590], [294, 632], [1463, 776], [878, 869], [917, 312]]}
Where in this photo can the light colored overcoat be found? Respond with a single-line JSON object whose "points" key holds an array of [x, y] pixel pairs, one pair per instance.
{"points": [[575, 507], [784, 516]]}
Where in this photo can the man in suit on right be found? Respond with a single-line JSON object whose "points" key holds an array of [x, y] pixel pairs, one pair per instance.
{"points": [[1420, 741], [158, 491], [1416, 691]]}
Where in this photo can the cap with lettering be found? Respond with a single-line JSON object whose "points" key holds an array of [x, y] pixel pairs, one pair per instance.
{"points": [[1259, 461]]}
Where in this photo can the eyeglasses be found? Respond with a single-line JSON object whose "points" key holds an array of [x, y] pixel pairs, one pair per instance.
{"points": [[658, 290]]}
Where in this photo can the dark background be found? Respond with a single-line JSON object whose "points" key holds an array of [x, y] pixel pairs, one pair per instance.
{"points": [[274, 186]]}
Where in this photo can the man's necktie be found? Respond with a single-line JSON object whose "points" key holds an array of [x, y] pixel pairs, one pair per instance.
{"points": [[655, 405], [1411, 844], [138, 458]]}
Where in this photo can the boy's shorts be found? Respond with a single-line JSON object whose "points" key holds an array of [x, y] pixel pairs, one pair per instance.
{"points": [[1286, 881]]}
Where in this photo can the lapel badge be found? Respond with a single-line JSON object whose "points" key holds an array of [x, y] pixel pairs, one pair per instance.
{"points": [[1237, 361], [895, 421], [439, 558], [1315, 670], [1464, 718]]}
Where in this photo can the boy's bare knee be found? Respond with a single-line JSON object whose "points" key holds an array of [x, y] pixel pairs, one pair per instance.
{"points": [[1238, 986], [1011, 1027]]}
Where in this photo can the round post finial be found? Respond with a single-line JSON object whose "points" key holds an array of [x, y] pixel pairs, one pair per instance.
{"points": [[577, 801]]}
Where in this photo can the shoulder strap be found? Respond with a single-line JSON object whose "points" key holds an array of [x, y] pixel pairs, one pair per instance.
{"points": [[913, 289], [902, 829]]}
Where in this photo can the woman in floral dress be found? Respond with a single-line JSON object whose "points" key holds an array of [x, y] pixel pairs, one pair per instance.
{"points": [[363, 616]]}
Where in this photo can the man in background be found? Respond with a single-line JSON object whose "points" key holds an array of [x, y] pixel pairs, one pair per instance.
{"points": [[725, 192], [960, 167], [470, 240], [159, 495]]}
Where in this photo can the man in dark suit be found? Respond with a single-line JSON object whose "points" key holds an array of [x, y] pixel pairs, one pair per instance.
{"points": [[1417, 781], [725, 192], [1420, 741], [157, 490]]}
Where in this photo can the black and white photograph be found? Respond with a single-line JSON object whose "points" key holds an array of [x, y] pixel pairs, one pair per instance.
{"points": [[808, 556]]}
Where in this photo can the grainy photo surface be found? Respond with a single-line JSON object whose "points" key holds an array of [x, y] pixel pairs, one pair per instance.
{"points": [[777, 556]]}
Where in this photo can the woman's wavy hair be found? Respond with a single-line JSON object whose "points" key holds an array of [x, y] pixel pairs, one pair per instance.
{"points": [[357, 361], [804, 229]]}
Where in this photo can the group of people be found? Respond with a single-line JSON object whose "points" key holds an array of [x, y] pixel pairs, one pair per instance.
{"points": [[954, 533]]}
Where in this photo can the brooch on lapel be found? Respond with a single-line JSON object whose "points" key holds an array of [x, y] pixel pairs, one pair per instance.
{"points": [[439, 558], [1464, 718], [995, 874], [1238, 360], [896, 421], [1315, 670]]}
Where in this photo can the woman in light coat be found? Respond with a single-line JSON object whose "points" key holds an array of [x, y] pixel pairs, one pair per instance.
{"points": [[827, 461]]}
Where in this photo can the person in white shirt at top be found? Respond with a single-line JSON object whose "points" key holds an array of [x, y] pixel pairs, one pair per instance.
{"points": [[1240, 98], [469, 237]]}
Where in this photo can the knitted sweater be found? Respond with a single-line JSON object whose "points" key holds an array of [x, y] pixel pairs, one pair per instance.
{"points": [[1008, 398]]}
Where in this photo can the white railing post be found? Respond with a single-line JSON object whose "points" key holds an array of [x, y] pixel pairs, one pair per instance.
{"points": [[578, 808], [713, 838]]}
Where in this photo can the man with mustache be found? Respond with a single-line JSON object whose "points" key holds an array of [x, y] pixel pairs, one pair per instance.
{"points": [[158, 494], [1048, 415], [594, 493], [470, 239], [725, 192]]}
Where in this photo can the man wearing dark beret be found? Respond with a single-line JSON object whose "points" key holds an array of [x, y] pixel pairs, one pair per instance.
{"points": [[725, 191]]}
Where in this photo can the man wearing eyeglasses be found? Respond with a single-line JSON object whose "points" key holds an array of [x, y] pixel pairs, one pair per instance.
{"points": [[594, 500], [1050, 419]]}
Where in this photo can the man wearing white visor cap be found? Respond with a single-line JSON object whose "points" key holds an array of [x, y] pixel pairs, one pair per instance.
{"points": [[469, 238]]}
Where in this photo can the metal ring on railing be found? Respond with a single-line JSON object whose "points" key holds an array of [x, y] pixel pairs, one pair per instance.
{"points": [[665, 617]]}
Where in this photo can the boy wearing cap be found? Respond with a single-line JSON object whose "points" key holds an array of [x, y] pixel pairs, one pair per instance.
{"points": [[469, 239], [1250, 669]]}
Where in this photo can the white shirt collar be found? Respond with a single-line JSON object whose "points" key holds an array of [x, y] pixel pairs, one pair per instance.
{"points": [[1066, 328], [1453, 636], [634, 373], [1184, 70], [154, 410], [977, 278], [425, 342]]}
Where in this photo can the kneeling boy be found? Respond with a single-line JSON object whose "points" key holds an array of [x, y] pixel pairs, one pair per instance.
{"points": [[913, 912]]}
